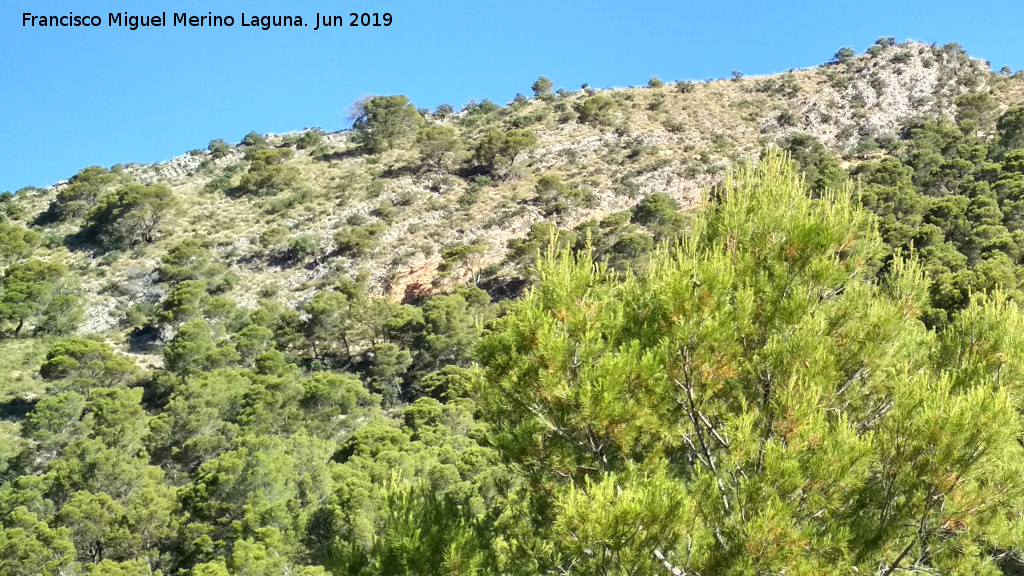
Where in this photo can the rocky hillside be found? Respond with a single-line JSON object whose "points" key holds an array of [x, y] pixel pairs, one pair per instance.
{"points": [[416, 225]]}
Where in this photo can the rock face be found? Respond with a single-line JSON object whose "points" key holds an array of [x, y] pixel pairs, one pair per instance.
{"points": [[878, 96], [415, 281], [677, 140], [181, 168]]}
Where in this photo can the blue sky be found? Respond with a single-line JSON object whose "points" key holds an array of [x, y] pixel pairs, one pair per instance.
{"points": [[71, 98]]}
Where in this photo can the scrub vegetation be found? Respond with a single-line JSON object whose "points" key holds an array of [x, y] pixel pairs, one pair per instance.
{"points": [[756, 325]]}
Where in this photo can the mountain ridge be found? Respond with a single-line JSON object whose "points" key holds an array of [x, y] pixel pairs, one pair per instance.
{"points": [[676, 139]]}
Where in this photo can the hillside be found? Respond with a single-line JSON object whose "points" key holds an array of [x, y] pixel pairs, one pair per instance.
{"points": [[676, 139], [774, 327]]}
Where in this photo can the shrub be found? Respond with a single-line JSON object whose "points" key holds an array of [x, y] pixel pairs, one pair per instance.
{"points": [[901, 58], [254, 140], [528, 119], [218, 148], [355, 241], [784, 86], [685, 86], [474, 191], [386, 211], [438, 146], [268, 181], [523, 252], [517, 142], [673, 125], [568, 116], [274, 239], [267, 176], [405, 198], [218, 185], [277, 205], [444, 111], [483, 108], [596, 110], [844, 55], [189, 259], [656, 209], [261, 157], [555, 196], [310, 139], [303, 247], [10, 209]]}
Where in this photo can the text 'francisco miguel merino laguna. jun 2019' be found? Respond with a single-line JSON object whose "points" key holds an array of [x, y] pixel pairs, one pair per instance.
{"points": [[208, 20]]}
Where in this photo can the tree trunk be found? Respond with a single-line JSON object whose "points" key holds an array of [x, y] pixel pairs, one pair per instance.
{"points": [[348, 353]]}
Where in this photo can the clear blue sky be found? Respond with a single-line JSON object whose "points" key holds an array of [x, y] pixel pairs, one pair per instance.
{"points": [[74, 97]]}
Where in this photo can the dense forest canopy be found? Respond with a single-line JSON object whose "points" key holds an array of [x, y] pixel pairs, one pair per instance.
{"points": [[816, 369]]}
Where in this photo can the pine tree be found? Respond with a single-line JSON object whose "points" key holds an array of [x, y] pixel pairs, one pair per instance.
{"points": [[380, 122], [794, 413]]}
